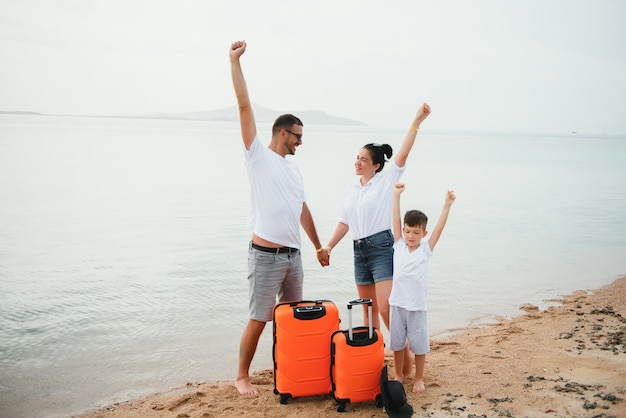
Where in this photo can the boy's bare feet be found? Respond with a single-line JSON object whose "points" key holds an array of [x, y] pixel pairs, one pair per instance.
{"points": [[244, 387], [399, 378], [419, 387]]}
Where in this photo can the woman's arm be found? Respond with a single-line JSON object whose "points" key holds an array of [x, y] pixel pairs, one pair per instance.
{"points": [[409, 138]]}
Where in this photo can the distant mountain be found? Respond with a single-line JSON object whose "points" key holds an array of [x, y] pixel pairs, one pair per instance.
{"points": [[229, 114], [19, 112], [261, 114]]}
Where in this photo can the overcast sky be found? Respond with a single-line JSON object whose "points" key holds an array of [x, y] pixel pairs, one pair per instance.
{"points": [[529, 66]]}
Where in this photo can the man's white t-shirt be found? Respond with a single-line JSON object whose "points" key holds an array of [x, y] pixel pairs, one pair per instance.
{"points": [[276, 195]]}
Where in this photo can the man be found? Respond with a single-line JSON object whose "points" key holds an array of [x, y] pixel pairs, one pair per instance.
{"points": [[278, 209]]}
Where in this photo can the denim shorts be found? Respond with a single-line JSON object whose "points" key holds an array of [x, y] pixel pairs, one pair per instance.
{"points": [[373, 258], [272, 278]]}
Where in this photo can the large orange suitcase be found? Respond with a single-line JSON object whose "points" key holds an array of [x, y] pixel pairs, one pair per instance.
{"points": [[301, 348], [357, 361]]}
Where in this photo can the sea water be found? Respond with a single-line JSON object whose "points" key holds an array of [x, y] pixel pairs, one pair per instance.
{"points": [[123, 243]]}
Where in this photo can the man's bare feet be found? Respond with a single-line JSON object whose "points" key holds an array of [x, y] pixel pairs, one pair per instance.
{"points": [[244, 387], [419, 387]]}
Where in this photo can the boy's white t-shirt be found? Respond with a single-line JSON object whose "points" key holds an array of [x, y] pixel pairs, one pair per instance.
{"points": [[276, 195], [367, 209], [410, 276]]}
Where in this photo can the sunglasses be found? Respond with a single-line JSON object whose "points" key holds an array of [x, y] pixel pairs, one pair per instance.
{"points": [[299, 136]]}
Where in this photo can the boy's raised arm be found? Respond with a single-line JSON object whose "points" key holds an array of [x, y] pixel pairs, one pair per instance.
{"points": [[397, 217], [246, 116], [443, 218]]}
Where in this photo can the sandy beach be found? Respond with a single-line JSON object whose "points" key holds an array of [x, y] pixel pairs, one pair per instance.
{"points": [[568, 360]]}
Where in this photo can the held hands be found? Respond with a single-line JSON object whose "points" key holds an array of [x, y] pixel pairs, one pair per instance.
{"points": [[237, 49], [324, 257]]}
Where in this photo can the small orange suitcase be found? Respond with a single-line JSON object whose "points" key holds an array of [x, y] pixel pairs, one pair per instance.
{"points": [[301, 348], [357, 361]]}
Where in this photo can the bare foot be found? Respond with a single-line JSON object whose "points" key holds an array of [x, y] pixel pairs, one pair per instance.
{"points": [[399, 377], [244, 387], [419, 387]]}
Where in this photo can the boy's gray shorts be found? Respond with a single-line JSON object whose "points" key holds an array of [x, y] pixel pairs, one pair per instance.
{"points": [[411, 325]]}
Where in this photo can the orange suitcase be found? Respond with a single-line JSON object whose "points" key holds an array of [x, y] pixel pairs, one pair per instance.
{"points": [[357, 361], [301, 348]]}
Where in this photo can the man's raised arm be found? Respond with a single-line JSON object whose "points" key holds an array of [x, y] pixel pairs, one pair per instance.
{"points": [[246, 116]]}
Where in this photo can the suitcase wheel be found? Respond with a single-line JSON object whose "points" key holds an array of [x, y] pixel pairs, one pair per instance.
{"points": [[284, 398], [379, 401], [341, 407], [275, 391]]}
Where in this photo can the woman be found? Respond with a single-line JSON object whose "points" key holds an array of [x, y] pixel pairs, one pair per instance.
{"points": [[366, 213]]}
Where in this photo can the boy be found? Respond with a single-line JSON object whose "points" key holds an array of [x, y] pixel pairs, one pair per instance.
{"points": [[410, 284]]}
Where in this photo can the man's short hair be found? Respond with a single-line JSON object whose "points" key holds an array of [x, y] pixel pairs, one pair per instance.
{"points": [[285, 121]]}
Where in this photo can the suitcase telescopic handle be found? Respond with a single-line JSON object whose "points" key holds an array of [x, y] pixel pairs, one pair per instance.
{"points": [[360, 301]]}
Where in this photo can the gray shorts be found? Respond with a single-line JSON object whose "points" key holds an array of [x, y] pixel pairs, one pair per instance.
{"points": [[411, 325], [272, 278]]}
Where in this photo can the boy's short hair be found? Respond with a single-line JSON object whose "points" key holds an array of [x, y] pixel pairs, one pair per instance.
{"points": [[415, 218]]}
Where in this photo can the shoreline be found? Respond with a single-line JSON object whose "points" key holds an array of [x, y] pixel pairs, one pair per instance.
{"points": [[567, 360]]}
